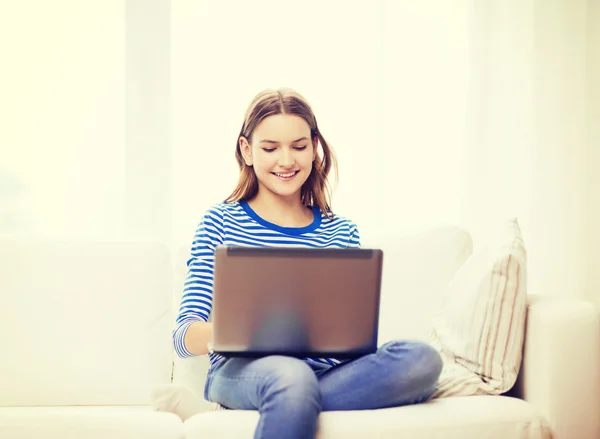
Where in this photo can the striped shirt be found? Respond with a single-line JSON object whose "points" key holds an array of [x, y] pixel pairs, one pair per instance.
{"points": [[235, 223]]}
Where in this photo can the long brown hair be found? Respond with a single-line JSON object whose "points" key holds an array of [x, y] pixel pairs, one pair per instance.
{"points": [[316, 190]]}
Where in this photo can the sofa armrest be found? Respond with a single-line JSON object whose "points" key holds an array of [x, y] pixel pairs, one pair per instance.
{"points": [[560, 373]]}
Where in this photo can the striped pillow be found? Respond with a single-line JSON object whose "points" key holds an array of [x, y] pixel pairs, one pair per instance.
{"points": [[480, 328]]}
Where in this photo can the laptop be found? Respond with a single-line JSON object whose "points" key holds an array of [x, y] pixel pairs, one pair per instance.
{"points": [[301, 302]]}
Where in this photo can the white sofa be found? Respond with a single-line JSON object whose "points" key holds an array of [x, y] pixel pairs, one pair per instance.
{"points": [[85, 335]]}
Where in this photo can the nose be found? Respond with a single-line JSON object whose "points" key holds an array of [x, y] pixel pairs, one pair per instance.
{"points": [[286, 160]]}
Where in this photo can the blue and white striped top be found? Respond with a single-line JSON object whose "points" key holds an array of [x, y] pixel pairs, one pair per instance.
{"points": [[235, 223]]}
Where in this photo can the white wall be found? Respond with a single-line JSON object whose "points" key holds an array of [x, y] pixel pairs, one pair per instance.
{"points": [[386, 80], [220, 64], [423, 115]]}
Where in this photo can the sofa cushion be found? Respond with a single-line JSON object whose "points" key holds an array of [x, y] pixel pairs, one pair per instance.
{"points": [[475, 417], [481, 327], [88, 423], [84, 323]]}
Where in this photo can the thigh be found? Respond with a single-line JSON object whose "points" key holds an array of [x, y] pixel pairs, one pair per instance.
{"points": [[399, 373], [240, 383]]}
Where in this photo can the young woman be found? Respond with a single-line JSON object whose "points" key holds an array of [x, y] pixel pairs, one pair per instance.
{"points": [[282, 199]]}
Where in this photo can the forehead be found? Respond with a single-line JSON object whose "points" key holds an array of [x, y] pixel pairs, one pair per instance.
{"points": [[282, 128]]}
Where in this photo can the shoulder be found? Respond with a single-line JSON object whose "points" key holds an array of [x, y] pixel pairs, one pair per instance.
{"points": [[343, 228], [218, 211], [338, 222], [212, 222], [213, 218]]}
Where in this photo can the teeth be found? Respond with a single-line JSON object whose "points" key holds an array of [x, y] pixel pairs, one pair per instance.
{"points": [[285, 175]]}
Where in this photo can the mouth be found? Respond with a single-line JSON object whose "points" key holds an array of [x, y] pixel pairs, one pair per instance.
{"points": [[285, 176]]}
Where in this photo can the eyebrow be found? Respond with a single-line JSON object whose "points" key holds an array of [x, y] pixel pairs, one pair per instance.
{"points": [[274, 142]]}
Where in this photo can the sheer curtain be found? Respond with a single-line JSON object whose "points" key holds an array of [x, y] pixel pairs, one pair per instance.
{"points": [[530, 151], [62, 135], [592, 236], [85, 144]]}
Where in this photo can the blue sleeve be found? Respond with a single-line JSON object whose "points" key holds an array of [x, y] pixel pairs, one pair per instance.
{"points": [[354, 241], [196, 302]]}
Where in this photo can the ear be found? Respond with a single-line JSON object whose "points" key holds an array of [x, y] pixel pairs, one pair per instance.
{"points": [[246, 150], [315, 147]]}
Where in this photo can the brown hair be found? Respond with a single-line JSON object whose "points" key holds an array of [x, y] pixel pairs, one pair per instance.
{"points": [[315, 191]]}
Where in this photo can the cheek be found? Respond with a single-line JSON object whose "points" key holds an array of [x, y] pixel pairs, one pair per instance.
{"points": [[307, 160], [262, 163]]}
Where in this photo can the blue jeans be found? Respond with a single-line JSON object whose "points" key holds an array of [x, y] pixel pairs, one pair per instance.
{"points": [[289, 393]]}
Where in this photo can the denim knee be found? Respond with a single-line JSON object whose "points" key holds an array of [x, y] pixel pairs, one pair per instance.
{"points": [[292, 378], [425, 362]]}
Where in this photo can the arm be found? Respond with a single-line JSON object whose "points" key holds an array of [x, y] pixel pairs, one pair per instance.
{"points": [[354, 240], [197, 337], [192, 330]]}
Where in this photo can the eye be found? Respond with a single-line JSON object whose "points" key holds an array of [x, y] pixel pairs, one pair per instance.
{"points": [[268, 149], [300, 148]]}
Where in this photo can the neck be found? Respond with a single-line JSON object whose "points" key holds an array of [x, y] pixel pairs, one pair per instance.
{"points": [[273, 202], [281, 210]]}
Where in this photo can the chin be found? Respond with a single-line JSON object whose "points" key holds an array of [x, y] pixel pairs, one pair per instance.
{"points": [[285, 194]]}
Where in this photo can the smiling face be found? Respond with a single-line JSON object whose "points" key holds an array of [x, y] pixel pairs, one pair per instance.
{"points": [[281, 153]]}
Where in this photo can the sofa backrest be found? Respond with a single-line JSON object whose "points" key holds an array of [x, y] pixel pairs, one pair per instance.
{"points": [[416, 269], [83, 323]]}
